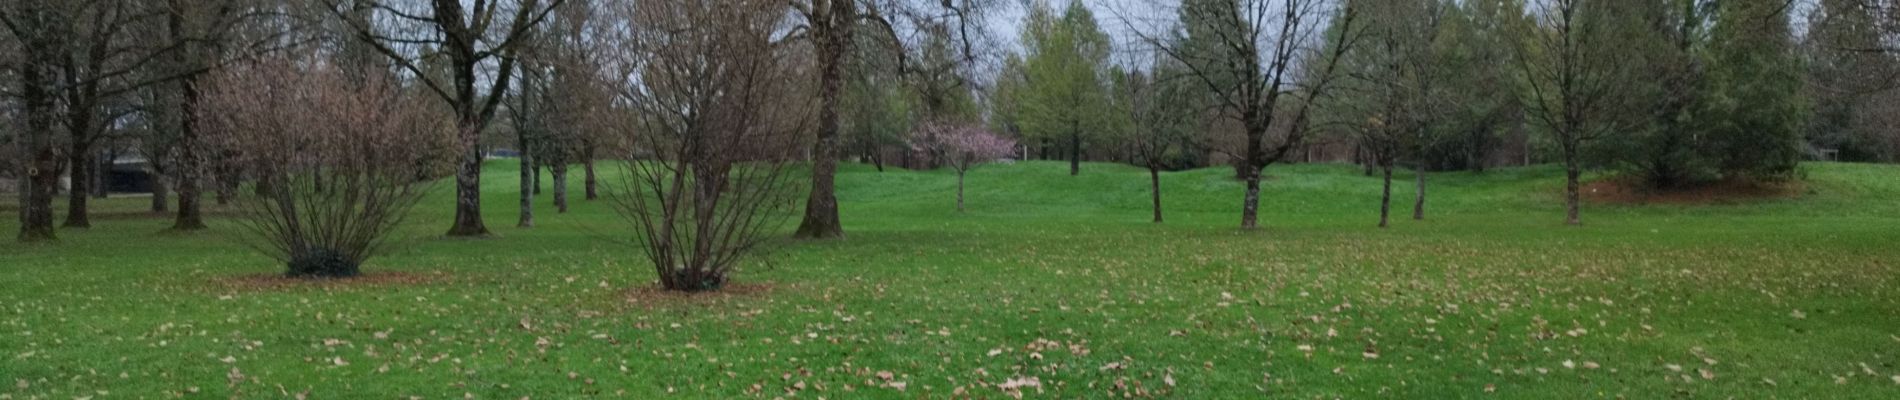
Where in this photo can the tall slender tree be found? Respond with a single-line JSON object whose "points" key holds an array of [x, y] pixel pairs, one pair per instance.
{"points": [[1159, 111], [1574, 68], [1389, 103]]}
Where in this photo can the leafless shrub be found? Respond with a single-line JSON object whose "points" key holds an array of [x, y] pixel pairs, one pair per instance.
{"points": [[339, 160], [712, 127]]}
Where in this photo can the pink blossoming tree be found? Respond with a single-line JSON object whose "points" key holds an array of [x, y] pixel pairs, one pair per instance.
{"points": [[962, 147]]}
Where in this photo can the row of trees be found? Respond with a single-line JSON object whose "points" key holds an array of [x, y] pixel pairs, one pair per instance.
{"points": [[1670, 93], [322, 119]]}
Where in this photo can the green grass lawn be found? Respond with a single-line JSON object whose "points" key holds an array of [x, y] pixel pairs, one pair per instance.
{"points": [[1048, 277]]}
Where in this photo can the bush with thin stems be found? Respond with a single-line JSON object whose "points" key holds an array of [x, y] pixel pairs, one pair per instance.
{"points": [[338, 160], [710, 123]]}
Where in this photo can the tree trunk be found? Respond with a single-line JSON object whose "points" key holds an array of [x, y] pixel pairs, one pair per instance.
{"points": [[1075, 151], [227, 181], [79, 190], [960, 190], [833, 28], [878, 160], [190, 215], [101, 171], [558, 172], [1250, 206], [1573, 172], [528, 189], [161, 193], [36, 206], [41, 176], [1154, 187], [590, 182], [468, 185], [1385, 197], [1418, 207]]}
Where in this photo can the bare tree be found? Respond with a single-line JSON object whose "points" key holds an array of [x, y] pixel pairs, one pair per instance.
{"points": [[478, 45], [556, 95], [1387, 102], [1160, 109], [710, 132], [1574, 76], [186, 41], [338, 158], [1250, 55]]}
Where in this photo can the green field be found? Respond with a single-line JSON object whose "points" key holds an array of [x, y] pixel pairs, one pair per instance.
{"points": [[1048, 277]]}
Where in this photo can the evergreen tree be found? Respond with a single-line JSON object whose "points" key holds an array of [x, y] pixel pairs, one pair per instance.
{"points": [[1755, 110], [1478, 105]]}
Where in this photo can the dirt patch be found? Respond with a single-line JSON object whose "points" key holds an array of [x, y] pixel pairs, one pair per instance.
{"points": [[1732, 191], [654, 296], [272, 282]]}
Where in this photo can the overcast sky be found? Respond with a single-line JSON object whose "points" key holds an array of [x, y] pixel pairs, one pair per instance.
{"points": [[1114, 16]]}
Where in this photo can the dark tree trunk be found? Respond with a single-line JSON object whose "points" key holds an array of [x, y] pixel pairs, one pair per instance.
{"points": [[1573, 173], [1250, 205], [227, 182], [1075, 151], [538, 169], [528, 189], [190, 215], [100, 172], [41, 186], [832, 27], [40, 180], [590, 182], [1418, 207], [960, 190], [558, 172], [1252, 165], [1385, 196], [161, 193], [79, 160], [877, 160], [1154, 187]]}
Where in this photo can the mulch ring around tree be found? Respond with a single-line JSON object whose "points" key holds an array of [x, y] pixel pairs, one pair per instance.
{"points": [[277, 281], [1728, 191]]}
